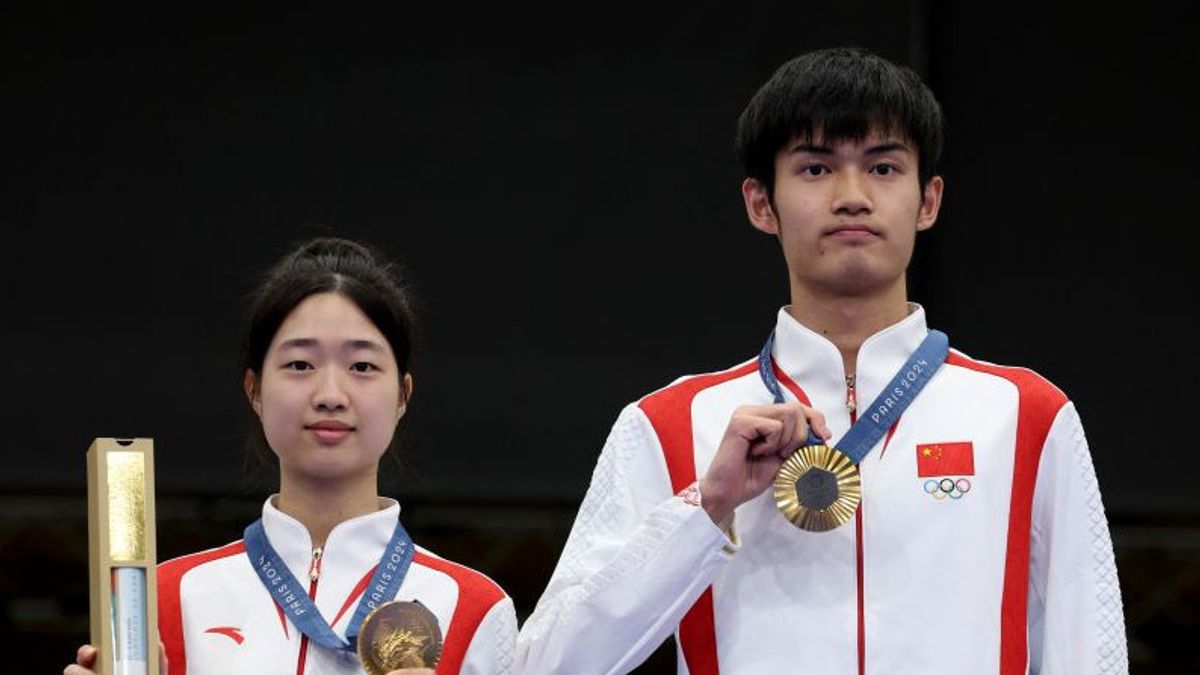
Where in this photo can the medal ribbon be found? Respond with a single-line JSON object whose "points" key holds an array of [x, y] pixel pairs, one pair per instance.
{"points": [[886, 408], [293, 598]]}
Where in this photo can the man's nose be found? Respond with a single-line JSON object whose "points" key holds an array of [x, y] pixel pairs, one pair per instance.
{"points": [[852, 193]]}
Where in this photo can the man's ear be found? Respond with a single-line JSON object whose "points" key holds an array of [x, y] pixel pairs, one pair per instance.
{"points": [[250, 386], [931, 201], [758, 206]]}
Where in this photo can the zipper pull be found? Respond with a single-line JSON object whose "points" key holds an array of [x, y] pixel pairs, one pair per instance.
{"points": [[851, 400], [314, 570]]}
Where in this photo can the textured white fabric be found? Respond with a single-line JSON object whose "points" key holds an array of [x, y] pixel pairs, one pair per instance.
{"points": [[933, 578], [1075, 610], [231, 625]]}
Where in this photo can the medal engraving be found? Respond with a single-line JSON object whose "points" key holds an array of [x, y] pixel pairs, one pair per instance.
{"points": [[818, 488], [399, 635]]}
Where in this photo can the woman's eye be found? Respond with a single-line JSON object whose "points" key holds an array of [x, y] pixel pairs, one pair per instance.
{"points": [[298, 365], [362, 367]]}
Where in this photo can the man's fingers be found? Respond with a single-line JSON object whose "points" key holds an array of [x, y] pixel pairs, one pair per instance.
{"points": [[777, 429], [816, 420], [761, 434], [86, 656]]}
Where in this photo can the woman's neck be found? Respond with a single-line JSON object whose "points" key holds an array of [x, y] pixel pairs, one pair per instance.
{"points": [[321, 504]]}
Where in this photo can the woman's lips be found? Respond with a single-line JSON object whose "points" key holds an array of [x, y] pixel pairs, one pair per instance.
{"points": [[330, 431]]}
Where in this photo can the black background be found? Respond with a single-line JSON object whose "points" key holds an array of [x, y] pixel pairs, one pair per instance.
{"points": [[561, 186]]}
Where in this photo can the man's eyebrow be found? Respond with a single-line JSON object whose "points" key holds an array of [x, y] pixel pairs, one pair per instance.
{"points": [[814, 148], [879, 149], [886, 147]]}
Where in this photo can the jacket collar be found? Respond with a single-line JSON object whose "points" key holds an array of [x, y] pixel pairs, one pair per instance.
{"points": [[354, 545], [815, 363]]}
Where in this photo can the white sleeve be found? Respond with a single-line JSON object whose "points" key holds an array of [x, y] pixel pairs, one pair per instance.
{"points": [[1076, 623], [636, 560], [491, 648]]}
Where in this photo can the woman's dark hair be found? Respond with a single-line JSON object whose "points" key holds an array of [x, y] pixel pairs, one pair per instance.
{"points": [[842, 93], [327, 265]]}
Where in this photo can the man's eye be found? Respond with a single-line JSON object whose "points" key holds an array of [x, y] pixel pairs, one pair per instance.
{"points": [[885, 169], [298, 365], [814, 170], [363, 367]]}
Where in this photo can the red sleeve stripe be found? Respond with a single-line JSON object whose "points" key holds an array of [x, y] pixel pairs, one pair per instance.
{"points": [[670, 413], [477, 594], [170, 612], [1039, 404]]}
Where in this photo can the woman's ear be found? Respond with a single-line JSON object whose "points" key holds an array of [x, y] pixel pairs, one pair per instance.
{"points": [[250, 386], [406, 391]]}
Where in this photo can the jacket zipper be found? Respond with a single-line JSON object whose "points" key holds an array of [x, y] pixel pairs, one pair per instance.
{"points": [[314, 575], [851, 399], [852, 408]]}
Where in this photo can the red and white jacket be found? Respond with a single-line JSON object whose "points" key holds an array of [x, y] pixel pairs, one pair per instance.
{"points": [[1014, 574], [215, 617]]}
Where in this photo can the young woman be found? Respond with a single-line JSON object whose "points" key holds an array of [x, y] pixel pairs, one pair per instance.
{"points": [[326, 355]]}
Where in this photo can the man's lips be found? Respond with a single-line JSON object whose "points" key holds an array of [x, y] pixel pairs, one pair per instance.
{"points": [[852, 231], [852, 228]]}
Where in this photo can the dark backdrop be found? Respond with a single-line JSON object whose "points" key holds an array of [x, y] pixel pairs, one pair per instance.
{"points": [[561, 186]]}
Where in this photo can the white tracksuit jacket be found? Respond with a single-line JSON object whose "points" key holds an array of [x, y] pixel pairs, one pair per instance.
{"points": [[216, 618], [1014, 575]]}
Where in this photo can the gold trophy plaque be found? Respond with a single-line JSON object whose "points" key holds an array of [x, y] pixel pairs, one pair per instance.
{"points": [[121, 555]]}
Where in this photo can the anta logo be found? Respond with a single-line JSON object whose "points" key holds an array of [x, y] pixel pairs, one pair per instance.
{"points": [[231, 632], [946, 466]]}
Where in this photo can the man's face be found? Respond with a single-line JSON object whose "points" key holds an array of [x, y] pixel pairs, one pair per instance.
{"points": [[846, 212]]}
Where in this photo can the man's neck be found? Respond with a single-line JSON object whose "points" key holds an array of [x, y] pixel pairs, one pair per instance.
{"points": [[320, 505], [848, 321]]}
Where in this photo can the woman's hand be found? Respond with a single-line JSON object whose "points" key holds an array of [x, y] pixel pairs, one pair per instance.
{"points": [[85, 661]]}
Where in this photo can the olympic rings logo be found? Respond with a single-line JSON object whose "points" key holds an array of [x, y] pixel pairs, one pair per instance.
{"points": [[947, 487]]}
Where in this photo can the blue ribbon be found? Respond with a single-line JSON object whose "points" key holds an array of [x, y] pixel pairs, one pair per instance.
{"points": [[886, 408], [293, 598]]}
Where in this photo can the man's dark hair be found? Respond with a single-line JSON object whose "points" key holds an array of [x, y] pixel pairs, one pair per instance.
{"points": [[838, 94]]}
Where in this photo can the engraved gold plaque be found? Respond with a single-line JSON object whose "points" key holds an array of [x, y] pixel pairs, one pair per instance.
{"points": [[818, 488], [126, 505], [399, 635]]}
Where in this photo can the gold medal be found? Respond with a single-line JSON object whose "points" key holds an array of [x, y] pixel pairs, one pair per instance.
{"points": [[818, 488], [399, 635]]}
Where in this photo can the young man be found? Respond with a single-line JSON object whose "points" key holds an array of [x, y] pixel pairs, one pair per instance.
{"points": [[980, 543]]}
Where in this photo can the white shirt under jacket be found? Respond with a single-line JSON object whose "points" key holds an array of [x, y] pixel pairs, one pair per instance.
{"points": [[1016, 575], [215, 616]]}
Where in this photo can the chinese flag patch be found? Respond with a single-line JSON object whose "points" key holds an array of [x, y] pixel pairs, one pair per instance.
{"points": [[945, 459]]}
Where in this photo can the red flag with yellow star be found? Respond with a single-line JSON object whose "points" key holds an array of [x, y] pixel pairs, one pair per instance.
{"points": [[945, 459]]}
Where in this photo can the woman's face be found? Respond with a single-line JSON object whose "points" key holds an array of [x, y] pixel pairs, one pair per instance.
{"points": [[330, 394]]}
